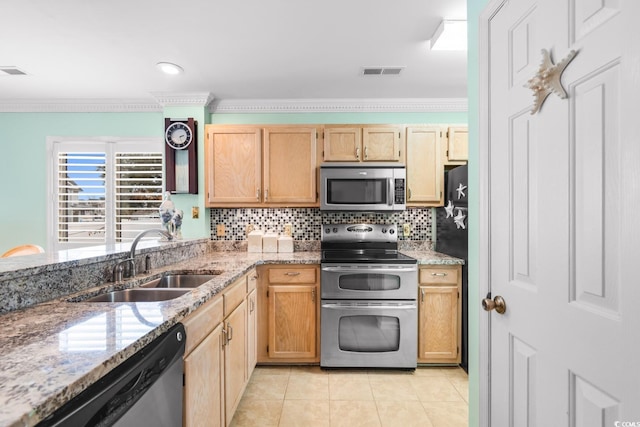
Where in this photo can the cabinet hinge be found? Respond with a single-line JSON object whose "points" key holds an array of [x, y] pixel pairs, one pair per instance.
{"points": [[183, 380], [458, 350], [441, 134], [267, 349], [447, 134], [458, 294], [267, 293], [317, 135]]}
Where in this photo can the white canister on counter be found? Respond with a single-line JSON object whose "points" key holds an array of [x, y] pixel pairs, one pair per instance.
{"points": [[285, 244], [270, 242], [254, 240]]}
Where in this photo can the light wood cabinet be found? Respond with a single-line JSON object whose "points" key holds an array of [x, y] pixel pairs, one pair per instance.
{"points": [[254, 166], [220, 354], [362, 143], [235, 358], [233, 165], [203, 367], [203, 382], [289, 314], [439, 314], [290, 165], [455, 146], [425, 172], [252, 328]]}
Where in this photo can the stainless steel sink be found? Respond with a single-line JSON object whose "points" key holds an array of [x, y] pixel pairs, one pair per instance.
{"points": [[179, 281], [138, 295]]}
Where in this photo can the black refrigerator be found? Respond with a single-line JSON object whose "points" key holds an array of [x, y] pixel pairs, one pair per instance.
{"points": [[451, 238]]}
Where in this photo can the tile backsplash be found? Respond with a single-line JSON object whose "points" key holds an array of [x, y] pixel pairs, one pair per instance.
{"points": [[306, 222]]}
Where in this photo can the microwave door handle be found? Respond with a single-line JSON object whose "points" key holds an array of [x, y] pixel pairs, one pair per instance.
{"points": [[390, 195]]}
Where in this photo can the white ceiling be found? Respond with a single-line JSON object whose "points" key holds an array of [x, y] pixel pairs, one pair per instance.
{"points": [[236, 50]]}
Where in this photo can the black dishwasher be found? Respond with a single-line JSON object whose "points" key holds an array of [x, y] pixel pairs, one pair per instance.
{"points": [[145, 390]]}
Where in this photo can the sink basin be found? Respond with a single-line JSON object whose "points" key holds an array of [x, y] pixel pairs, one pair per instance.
{"points": [[138, 295], [179, 281]]}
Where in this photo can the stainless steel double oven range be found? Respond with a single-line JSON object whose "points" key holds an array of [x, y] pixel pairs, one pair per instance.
{"points": [[368, 298]]}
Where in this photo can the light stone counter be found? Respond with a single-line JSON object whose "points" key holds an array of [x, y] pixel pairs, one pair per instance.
{"points": [[52, 351]]}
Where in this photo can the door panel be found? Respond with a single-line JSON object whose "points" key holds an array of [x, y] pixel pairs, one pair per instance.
{"points": [[560, 193]]}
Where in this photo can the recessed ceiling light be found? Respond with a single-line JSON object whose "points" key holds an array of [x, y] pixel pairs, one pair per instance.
{"points": [[169, 68]]}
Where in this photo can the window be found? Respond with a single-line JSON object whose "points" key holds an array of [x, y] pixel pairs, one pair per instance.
{"points": [[103, 190]]}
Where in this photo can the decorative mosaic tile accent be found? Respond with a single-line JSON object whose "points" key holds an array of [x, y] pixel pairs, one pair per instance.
{"points": [[306, 222]]}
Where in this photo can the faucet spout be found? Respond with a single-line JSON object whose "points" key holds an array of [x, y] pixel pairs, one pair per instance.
{"points": [[140, 235]]}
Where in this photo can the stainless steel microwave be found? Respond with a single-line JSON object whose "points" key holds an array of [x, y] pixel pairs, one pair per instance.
{"points": [[368, 187]]}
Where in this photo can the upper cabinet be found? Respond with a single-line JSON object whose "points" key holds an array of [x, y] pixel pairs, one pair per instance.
{"points": [[362, 144], [455, 148], [425, 172], [252, 166], [233, 165]]}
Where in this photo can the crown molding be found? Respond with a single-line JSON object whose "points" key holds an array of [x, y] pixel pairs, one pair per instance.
{"points": [[79, 106], [183, 99], [400, 105]]}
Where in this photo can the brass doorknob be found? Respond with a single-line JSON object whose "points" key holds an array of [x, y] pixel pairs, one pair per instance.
{"points": [[497, 303]]}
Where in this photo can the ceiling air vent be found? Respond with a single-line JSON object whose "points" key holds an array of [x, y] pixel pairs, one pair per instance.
{"points": [[11, 71], [380, 71]]}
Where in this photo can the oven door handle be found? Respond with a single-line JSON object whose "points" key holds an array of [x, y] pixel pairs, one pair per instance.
{"points": [[363, 306], [370, 270]]}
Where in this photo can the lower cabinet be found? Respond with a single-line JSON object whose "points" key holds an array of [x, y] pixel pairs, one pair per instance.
{"points": [[235, 353], [288, 329], [439, 314], [219, 355]]}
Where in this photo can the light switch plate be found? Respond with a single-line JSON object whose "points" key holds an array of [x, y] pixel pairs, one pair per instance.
{"points": [[220, 230], [195, 212], [288, 230], [406, 230], [249, 229]]}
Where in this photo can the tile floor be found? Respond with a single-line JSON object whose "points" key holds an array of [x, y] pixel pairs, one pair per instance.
{"points": [[310, 397]]}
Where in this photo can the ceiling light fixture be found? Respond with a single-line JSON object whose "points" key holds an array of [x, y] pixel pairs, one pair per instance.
{"points": [[169, 68], [450, 35]]}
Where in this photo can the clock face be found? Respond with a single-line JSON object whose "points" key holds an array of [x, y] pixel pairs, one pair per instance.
{"points": [[178, 136]]}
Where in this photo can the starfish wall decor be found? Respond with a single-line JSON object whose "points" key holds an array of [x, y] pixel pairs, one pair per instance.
{"points": [[547, 79]]}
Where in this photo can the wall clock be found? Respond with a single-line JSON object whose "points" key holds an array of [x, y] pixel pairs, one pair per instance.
{"points": [[181, 155]]}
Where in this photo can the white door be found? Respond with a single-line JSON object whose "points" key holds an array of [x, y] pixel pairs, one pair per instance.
{"points": [[560, 192]]}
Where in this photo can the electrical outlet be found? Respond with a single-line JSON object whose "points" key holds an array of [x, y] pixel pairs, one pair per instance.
{"points": [[220, 230], [406, 230], [288, 230], [195, 212], [249, 229]]}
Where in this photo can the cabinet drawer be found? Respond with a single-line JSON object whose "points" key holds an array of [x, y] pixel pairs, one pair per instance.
{"points": [[437, 276], [292, 275], [234, 296], [201, 322]]}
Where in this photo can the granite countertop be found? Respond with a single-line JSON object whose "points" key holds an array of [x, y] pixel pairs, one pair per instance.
{"points": [[51, 352]]}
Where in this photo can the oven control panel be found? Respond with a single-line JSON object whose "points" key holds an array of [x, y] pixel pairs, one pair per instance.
{"points": [[359, 233]]}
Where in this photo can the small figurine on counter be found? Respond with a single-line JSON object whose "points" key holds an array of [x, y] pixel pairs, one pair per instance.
{"points": [[177, 223], [167, 210]]}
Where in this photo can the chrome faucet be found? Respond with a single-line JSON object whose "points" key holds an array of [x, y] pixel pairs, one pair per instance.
{"points": [[117, 269]]}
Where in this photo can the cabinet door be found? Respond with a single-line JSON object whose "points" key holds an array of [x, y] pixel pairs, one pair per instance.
{"points": [[290, 165], [252, 332], [292, 321], [458, 149], [381, 144], [203, 383], [233, 165], [342, 144], [425, 173], [235, 358], [438, 339]]}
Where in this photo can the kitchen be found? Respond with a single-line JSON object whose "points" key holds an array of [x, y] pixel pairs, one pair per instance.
{"points": [[30, 126], [89, 109]]}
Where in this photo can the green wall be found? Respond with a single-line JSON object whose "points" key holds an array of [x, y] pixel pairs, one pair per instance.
{"points": [[474, 7], [23, 162]]}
